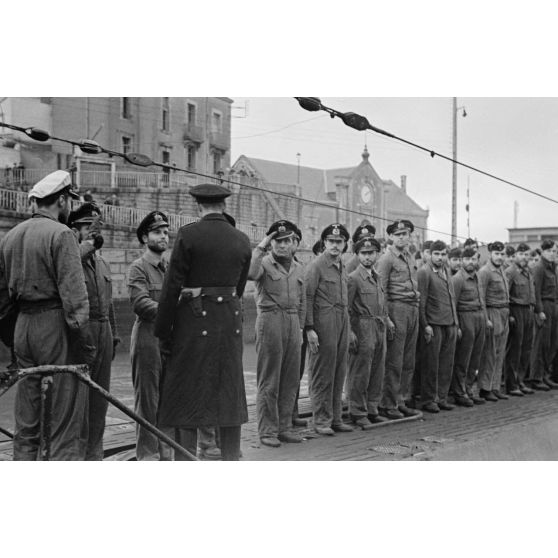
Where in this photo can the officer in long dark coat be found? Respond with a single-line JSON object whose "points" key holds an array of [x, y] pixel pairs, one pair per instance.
{"points": [[199, 324]]}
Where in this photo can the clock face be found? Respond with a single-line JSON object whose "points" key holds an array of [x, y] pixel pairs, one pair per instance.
{"points": [[366, 194]]}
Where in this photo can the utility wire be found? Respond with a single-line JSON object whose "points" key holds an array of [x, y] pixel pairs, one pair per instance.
{"points": [[361, 123]]}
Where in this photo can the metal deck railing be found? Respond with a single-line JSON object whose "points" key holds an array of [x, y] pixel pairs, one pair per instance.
{"points": [[80, 371]]}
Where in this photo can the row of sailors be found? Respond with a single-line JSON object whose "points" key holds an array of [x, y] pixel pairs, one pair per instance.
{"points": [[391, 333]]}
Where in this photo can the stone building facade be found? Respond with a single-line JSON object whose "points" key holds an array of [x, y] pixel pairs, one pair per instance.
{"points": [[191, 132]]}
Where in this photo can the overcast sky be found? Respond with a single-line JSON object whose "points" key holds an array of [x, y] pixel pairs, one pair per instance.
{"points": [[514, 138]]}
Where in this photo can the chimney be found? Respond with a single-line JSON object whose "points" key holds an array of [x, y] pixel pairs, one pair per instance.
{"points": [[404, 183]]}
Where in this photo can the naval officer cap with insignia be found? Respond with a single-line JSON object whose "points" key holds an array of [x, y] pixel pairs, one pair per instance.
{"points": [[284, 229], [363, 230], [151, 222], [209, 194], [400, 226], [367, 244], [84, 215], [335, 231]]}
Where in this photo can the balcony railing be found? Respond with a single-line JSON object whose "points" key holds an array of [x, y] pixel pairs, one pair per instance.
{"points": [[17, 201], [24, 179]]}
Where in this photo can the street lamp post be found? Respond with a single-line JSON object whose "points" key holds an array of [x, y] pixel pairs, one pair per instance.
{"points": [[455, 110]]}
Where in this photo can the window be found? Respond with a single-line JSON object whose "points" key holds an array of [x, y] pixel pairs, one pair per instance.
{"points": [[216, 162], [191, 156], [217, 121], [165, 157], [125, 107], [191, 114], [126, 144], [165, 115]]}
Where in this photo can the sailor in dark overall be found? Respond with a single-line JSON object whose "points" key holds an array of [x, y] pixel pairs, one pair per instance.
{"points": [[327, 328], [85, 222], [497, 297], [281, 305], [145, 281], [199, 325], [41, 273], [368, 320], [438, 330], [398, 273], [522, 321], [471, 311]]}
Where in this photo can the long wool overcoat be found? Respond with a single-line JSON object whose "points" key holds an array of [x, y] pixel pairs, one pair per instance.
{"points": [[203, 381]]}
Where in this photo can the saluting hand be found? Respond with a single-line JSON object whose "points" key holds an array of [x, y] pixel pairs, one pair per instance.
{"points": [[267, 241], [313, 342]]}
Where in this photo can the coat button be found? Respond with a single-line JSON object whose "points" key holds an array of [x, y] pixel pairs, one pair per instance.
{"points": [[204, 313], [204, 332], [238, 331], [236, 312], [219, 299]]}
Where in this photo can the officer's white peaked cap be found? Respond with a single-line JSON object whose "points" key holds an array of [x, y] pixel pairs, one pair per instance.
{"points": [[54, 182]]}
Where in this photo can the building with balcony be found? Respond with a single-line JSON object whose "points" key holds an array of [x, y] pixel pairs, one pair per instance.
{"points": [[347, 195], [190, 132]]}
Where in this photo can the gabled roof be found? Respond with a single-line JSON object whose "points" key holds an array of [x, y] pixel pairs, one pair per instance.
{"points": [[312, 181], [316, 183]]}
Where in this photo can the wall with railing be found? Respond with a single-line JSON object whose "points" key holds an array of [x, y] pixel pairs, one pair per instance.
{"points": [[138, 193], [119, 216]]}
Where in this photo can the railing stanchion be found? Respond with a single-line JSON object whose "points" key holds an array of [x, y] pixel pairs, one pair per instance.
{"points": [[46, 417]]}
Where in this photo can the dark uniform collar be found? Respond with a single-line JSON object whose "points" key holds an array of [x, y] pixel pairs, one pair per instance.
{"points": [[523, 270], [441, 271], [547, 264], [364, 273], [466, 275], [405, 254], [492, 267], [214, 217]]}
